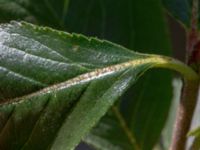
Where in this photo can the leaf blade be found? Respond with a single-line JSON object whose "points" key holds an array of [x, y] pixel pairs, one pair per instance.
{"points": [[62, 113], [130, 23]]}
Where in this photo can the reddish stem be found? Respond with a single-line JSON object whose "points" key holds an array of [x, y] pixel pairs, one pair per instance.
{"points": [[190, 88], [184, 115]]}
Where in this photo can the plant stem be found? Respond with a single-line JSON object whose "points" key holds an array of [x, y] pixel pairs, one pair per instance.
{"points": [[189, 93], [184, 114]]}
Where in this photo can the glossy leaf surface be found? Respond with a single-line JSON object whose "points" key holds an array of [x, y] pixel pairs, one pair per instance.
{"points": [[56, 86], [124, 22], [130, 27]]}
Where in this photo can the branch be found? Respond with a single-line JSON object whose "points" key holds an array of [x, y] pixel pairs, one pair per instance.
{"points": [[184, 114], [190, 88]]}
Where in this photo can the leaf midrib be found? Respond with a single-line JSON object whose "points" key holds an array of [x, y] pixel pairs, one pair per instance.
{"points": [[152, 60], [97, 73]]}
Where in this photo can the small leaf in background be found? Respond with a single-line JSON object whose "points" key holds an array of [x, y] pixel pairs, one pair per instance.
{"points": [[180, 9], [196, 134]]}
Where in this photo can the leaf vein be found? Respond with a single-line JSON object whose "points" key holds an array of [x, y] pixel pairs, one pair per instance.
{"points": [[9, 117], [42, 111], [124, 126]]}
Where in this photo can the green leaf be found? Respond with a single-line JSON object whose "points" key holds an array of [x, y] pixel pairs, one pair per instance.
{"points": [[47, 12], [124, 22], [56, 86], [138, 25], [196, 134], [180, 9]]}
